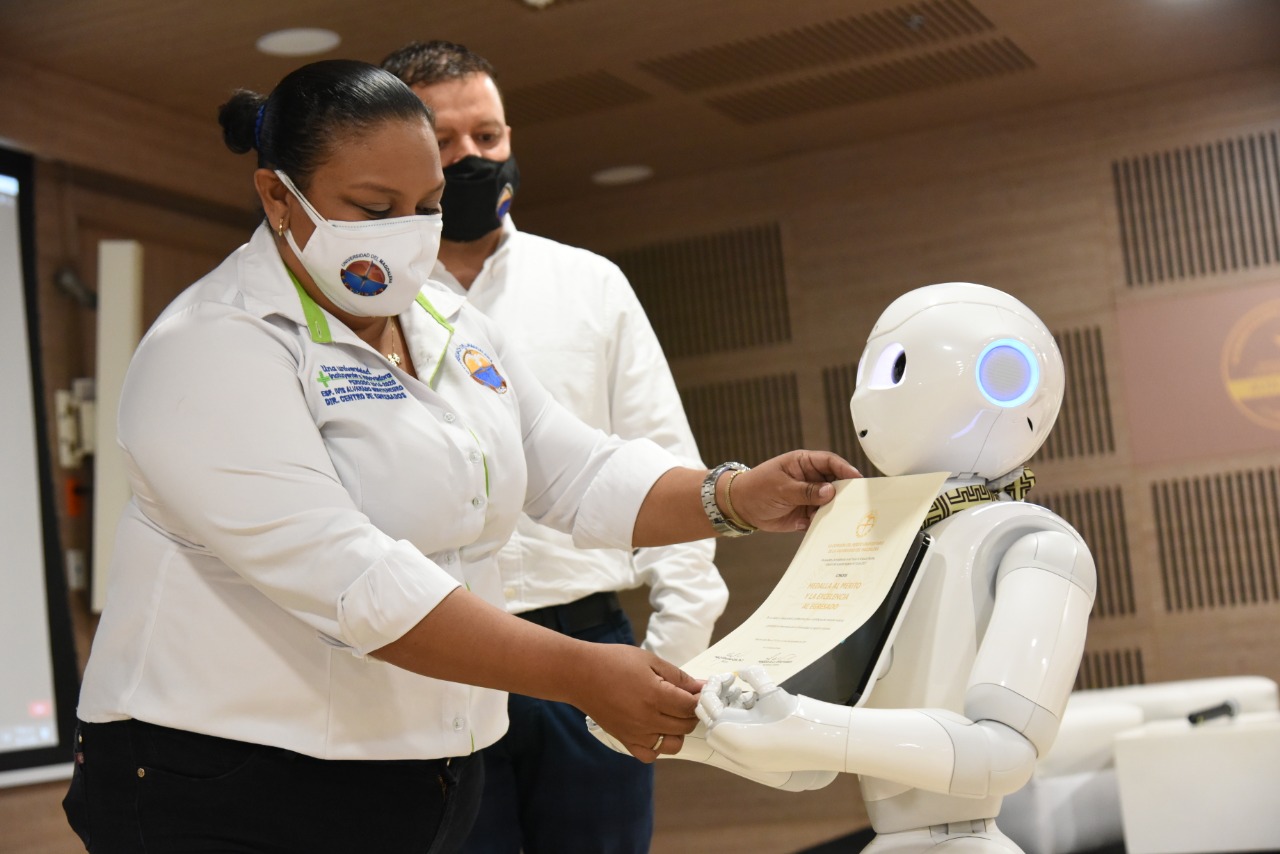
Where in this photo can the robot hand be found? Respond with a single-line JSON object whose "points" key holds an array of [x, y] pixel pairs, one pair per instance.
{"points": [[696, 749], [760, 701], [767, 729]]}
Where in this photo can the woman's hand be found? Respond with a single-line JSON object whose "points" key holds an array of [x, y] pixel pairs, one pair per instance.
{"points": [[780, 494], [783, 493], [637, 697]]}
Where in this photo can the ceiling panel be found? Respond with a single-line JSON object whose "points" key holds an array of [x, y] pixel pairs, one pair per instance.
{"points": [[680, 86]]}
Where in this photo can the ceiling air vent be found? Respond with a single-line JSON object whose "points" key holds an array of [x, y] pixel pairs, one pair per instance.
{"points": [[907, 27], [978, 61], [570, 96]]}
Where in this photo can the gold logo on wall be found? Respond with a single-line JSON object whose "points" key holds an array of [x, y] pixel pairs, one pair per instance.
{"points": [[1251, 365]]}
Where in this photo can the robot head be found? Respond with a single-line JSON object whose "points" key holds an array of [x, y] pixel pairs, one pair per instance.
{"points": [[956, 377]]}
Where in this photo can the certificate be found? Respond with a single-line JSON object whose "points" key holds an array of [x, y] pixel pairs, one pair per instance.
{"points": [[844, 569]]}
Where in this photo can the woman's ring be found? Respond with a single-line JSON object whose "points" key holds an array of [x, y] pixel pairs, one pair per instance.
{"points": [[657, 743]]}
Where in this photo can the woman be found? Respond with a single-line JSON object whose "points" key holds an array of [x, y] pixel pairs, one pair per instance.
{"points": [[300, 627]]}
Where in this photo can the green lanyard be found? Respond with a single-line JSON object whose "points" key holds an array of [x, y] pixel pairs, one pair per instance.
{"points": [[318, 324]]}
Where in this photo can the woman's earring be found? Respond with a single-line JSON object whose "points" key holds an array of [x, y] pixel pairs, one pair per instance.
{"points": [[280, 227]]}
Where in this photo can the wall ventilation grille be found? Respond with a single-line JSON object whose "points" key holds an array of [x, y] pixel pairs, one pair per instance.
{"points": [[1218, 539], [906, 27], [1111, 668], [747, 420], [1199, 211], [1099, 516], [1084, 424], [838, 382], [724, 291]]}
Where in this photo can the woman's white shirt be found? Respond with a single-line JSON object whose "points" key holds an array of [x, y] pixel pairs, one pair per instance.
{"points": [[299, 503]]}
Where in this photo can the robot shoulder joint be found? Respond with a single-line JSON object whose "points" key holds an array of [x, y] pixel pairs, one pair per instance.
{"points": [[1057, 552]]}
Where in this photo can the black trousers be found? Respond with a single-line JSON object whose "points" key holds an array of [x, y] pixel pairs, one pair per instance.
{"points": [[139, 788], [549, 786]]}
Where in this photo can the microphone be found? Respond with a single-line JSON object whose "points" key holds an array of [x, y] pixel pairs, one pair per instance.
{"points": [[1229, 708]]}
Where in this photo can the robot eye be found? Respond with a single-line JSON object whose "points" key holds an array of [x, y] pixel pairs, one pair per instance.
{"points": [[1008, 373], [889, 368]]}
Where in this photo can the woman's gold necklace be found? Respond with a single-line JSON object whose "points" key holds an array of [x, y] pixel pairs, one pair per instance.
{"points": [[393, 357]]}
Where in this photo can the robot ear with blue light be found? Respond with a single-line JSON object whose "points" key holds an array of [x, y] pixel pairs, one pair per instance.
{"points": [[1008, 373]]}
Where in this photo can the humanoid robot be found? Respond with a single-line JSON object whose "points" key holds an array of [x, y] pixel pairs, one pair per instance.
{"points": [[960, 378]]}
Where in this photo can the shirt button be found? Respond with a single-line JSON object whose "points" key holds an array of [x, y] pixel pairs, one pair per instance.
{"points": [[459, 724], [476, 456], [509, 592], [477, 502], [449, 416]]}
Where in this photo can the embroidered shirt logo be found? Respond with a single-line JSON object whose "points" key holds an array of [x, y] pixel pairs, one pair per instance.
{"points": [[480, 367], [365, 275], [349, 383]]}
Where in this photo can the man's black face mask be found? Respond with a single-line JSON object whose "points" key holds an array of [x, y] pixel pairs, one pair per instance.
{"points": [[477, 195]]}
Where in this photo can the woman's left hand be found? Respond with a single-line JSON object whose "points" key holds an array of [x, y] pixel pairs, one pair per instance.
{"points": [[782, 494]]}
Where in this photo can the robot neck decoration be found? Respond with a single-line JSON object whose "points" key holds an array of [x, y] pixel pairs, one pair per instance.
{"points": [[964, 497]]}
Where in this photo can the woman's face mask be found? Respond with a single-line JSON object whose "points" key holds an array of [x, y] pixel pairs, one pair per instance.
{"points": [[369, 269]]}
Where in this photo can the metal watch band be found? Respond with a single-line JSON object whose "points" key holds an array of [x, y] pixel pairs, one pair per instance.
{"points": [[723, 525]]}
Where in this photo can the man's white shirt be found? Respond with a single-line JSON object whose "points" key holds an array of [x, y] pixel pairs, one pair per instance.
{"points": [[574, 319]]}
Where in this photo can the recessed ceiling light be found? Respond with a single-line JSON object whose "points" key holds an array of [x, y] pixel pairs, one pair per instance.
{"points": [[616, 176], [299, 41]]}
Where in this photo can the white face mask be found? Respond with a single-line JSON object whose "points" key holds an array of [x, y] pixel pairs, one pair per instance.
{"points": [[369, 269]]}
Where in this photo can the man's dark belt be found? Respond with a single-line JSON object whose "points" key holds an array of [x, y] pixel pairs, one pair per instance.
{"points": [[579, 615]]}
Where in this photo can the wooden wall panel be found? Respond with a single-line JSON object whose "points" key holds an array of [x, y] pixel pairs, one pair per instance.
{"points": [[747, 420], [1199, 210], [1218, 538], [64, 120], [713, 292], [179, 246], [1084, 427]]}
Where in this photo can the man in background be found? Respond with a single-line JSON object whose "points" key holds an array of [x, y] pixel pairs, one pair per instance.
{"points": [[550, 786]]}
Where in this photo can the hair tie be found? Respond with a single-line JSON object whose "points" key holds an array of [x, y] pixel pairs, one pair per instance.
{"points": [[257, 126]]}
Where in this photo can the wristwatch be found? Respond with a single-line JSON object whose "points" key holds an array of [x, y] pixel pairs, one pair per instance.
{"points": [[722, 524]]}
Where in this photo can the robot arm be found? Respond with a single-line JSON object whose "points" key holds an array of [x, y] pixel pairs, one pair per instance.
{"points": [[929, 749], [1030, 651], [1021, 677], [696, 749]]}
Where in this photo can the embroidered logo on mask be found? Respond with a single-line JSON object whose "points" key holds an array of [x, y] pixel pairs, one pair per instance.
{"points": [[480, 367], [365, 275], [504, 200]]}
